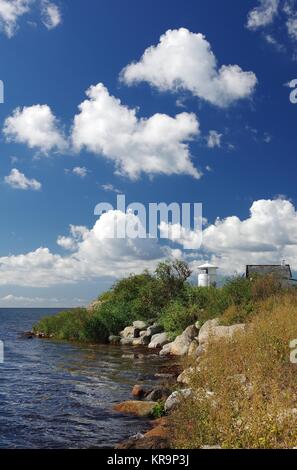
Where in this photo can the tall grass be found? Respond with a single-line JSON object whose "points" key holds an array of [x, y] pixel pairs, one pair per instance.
{"points": [[253, 385]]}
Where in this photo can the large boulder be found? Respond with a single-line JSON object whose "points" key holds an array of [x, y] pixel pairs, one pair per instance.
{"points": [[212, 330], [182, 343], [176, 397], [140, 325], [158, 340], [143, 409]]}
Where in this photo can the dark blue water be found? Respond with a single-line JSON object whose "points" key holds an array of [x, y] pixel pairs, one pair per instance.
{"points": [[60, 395]]}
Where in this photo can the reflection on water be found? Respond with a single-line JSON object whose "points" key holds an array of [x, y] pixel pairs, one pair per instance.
{"points": [[60, 395]]}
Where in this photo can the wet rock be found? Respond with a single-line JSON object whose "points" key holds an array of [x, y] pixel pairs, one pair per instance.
{"points": [[142, 341], [165, 351], [158, 393], [138, 391], [27, 335], [127, 341], [142, 409], [140, 325], [176, 397], [114, 339], [158, 340]]}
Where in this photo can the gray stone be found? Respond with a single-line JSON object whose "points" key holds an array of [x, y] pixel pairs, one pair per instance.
{"points": [[182, 343], [140, 325], [130, 332], [175, 398], [212, 330], [158, 340], [154, 329], [159, 393], [187, 375]]}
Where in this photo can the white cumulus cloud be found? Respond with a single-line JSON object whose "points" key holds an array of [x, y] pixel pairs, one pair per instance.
{"points": [[95, 253], [155, 145], [18, 180], [37, 127], [184, 61]]}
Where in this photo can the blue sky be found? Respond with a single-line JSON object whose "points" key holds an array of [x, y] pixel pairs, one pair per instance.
{"points": [[237, 131]]}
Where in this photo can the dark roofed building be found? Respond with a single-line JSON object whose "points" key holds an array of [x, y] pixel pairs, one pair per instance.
{"points": [[282, 271]]}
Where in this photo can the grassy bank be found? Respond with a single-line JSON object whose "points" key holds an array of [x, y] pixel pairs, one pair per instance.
{"points": [[253, 400]]}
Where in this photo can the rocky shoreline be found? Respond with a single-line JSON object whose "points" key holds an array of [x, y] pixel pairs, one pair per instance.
{"points": [[158, 402]]}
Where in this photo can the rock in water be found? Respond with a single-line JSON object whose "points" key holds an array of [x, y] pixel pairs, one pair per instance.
{"points": [[143, 409]]}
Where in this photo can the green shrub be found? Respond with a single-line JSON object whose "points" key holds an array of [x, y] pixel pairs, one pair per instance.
{"points": [[68, 325], [159, 410], [176, 317]]}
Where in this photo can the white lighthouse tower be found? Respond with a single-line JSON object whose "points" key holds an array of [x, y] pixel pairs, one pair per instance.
{"points": [[207, 276]]}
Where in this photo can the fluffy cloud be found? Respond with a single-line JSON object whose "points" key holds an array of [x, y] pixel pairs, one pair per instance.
{"points": [[214, 139], [110, 188], [267, 236], [18, 180], [156, 145], [35, 126], [263, 14], [189, 239], [12, 10], [51, 15], [184, 61], [95, 254]]}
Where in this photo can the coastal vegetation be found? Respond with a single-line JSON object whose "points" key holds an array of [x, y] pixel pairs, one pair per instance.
{"points": [[165, 296], [241, 387]]}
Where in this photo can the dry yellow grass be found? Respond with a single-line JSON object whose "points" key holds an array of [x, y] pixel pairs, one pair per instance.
{"points": [[253, 385]]}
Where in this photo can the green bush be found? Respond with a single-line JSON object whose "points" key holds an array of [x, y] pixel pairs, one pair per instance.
{"points": [[176, 317], [68, 325]]}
